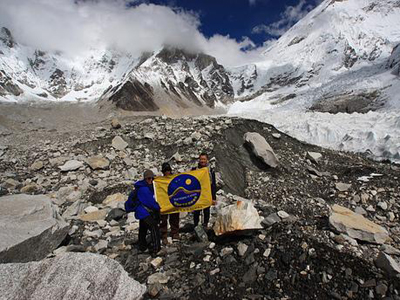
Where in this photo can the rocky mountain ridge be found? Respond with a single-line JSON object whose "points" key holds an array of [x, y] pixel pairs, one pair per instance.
{"points": [[322, 57], [326, 54], [181, 79]]}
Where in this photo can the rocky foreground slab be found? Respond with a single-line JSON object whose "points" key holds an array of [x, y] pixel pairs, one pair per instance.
{"points": [[70, 276], [30, 228]]}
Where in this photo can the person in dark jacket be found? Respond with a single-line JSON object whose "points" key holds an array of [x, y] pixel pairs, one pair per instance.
{"points": [[203, 162], [147, 211], [173, 218]]}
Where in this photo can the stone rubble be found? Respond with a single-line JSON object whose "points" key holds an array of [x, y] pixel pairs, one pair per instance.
{"points": [[293, 254]]}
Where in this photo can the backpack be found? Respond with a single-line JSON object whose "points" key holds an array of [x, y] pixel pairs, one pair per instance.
{"points": [[133, 202]]}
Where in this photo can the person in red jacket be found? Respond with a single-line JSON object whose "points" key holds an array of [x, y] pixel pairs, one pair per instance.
{"points": [[173, 218]]}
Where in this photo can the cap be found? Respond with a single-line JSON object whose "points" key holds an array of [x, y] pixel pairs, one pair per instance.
{"points": [[148, 174], [166, 167]]}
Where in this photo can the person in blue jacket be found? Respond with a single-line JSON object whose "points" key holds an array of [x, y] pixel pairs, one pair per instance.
{"points": [[147, 211]]}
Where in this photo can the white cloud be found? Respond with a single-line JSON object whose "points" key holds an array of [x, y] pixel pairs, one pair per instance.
{"points": [[73, 27], [288, 18], [252, 2]]}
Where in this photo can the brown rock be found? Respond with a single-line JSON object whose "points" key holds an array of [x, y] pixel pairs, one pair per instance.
{"points": [[356, 226], [98, 162]]}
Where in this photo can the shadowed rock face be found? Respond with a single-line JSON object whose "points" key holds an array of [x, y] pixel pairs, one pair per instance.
{"points": [[6, 37], [70, 276], [30, 228], [133, 95], [394, 60], [7, 85], [349, 103]]}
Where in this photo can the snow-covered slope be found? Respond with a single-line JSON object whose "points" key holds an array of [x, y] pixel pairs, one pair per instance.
{"points": [[336, 39], [339, 61], [174, 78]]}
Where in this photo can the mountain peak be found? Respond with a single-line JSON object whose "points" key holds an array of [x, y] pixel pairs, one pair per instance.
{"points": [[6, 37]]}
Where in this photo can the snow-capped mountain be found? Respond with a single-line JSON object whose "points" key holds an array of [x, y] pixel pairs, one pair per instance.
{"points": [[333, 79], [168, 78], [327, 53]]}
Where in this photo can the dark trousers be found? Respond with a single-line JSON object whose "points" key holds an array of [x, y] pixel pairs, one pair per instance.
{"points": [[206, 215], [149, 224], [173, 222]]}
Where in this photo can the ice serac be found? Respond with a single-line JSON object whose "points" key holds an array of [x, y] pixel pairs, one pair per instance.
{"points": [[237, 217], [30, 228], [69, 276], [261, 148], [356, 226]]}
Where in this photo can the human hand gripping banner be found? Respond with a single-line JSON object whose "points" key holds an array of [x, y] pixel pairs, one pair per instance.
{"points": [[184, 191]]}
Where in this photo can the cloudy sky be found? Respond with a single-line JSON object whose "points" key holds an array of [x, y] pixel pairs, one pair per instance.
{"points": [[234, 31]]}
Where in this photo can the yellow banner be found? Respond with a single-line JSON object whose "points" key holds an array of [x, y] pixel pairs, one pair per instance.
{"points": [[184, 191]]}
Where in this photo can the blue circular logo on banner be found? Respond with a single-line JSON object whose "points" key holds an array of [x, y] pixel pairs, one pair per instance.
{"points": [[184, 190]]}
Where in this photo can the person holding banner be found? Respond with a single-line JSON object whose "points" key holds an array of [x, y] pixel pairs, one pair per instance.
{"points": [[147, 211], [203, 163], [173, 218]]}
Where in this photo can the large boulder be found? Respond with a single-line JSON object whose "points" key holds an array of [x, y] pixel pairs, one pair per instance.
{"points": [[261, 148], [237, 217], [356, 226], [69, 276], [30, 228]]}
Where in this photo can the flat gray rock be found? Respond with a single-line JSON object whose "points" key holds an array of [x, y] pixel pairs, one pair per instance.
{"points": [[70, 276], [342, 187], [314, 156], [30, 228], [71, 165], [261, 148], [118, 143]]}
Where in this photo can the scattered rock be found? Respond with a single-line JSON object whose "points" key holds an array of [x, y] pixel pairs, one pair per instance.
{"points": [[242, 248], [98, 162], [342, 187], [161, 278], [356, 226], [156, 263], [201, 235], [115, 214], [71, 165], [119, 144], [30, 228], [261, 148], [94, 216], [115, 124], [115, 200], [69, 276], [271, 219], [314, 156], [237, 217], [226, 251], [388, 264], [390, 250], [37, 165], [276, 135], [29, 188], [283, 215]]}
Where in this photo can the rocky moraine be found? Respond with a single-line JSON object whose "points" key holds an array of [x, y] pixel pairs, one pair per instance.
{"points": [[329, 221]]}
